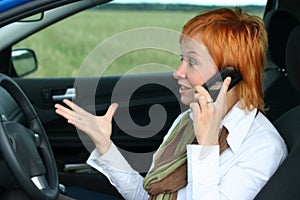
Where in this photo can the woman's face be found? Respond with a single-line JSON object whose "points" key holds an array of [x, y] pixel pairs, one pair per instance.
{"points": [[196, 67]]}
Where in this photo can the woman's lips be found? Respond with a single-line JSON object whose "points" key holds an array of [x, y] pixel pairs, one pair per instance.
{"points": [[183, 89]]}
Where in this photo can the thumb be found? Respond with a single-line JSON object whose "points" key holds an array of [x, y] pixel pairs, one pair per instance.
{"points": [[111, 111], [226, 84], [224, 88]]}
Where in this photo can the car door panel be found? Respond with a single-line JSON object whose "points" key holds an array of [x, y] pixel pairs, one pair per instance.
{"points": [[64, 138]]}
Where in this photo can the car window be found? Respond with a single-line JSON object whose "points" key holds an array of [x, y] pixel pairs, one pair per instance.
{"points": [[67, 46]]}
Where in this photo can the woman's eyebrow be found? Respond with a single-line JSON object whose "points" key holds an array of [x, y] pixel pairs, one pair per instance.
{"points": [[194, 53]]}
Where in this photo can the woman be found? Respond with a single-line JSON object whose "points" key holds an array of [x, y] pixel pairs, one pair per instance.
{"points": [[225, 149]]}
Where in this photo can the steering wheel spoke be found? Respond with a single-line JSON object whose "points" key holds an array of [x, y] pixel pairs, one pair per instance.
{"points": [[40, 182]]}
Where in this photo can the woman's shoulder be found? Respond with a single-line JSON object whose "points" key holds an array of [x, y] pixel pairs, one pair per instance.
{"points": [[264, 133]]}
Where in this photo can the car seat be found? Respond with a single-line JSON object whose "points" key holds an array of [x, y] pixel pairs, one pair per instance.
{"points": [[278, 24], [285, 182]]}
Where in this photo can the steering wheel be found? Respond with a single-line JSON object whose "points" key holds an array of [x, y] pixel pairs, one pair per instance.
{"points": [[27, 151]]}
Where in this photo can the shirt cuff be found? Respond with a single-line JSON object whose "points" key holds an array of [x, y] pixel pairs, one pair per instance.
{"points": [[203, 164], [111, 159]]}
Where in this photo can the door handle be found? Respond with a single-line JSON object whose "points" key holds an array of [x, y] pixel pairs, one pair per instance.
{"points": [[70, 94]]}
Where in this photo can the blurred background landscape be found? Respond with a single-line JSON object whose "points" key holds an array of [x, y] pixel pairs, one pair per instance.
{"points": [[68, 43]]}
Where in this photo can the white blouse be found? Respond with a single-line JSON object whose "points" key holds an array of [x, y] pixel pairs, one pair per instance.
{"points": [[255, 151]]}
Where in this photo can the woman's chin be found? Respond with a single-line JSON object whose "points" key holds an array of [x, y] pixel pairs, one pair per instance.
{"points": [[186, 100]]}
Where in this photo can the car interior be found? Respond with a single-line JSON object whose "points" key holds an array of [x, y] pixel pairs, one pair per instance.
{"points": [[284, 183], [279, 24], [26, 106], [282, 74]]}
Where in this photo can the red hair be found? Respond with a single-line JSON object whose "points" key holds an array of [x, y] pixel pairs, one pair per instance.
{"points": [[236, 39]]}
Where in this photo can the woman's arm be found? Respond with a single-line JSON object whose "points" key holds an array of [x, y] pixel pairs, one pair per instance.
{"points": [[113, 165], [106, 158]]}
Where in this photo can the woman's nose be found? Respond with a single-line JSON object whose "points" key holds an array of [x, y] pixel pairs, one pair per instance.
{"points": [[180, 72]]}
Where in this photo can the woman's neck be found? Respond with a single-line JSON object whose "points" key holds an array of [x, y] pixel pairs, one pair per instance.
{"points": [[231, 99]]}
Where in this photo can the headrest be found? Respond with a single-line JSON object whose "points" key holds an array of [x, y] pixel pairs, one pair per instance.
{"points": [[279, 24], [293, 58]]}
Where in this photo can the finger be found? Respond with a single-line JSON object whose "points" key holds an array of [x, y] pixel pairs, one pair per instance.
{"points": [[111, 111], [72, 117], [68, 103], [203, 104], [74, 107], [62, 108], [226, 84], [224, 88], [196, 97], [195, 108], [200, 89], [63, 111]]}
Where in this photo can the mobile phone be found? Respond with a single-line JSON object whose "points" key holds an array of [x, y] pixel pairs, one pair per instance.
{"points": [[214, 84]]}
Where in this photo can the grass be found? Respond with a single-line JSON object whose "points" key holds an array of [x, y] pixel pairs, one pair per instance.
{"points": [[62, 48]]}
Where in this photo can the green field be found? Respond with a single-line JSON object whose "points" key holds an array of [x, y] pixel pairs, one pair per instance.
{"points": [[62, 48]]}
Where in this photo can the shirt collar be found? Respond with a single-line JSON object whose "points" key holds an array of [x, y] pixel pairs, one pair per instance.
{"points": [[238, 123]]}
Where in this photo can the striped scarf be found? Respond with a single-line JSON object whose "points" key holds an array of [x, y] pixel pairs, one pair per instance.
{"points": [[169, 173]]}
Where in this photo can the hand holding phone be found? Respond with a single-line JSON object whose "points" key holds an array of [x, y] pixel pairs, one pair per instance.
{"points": [[214, 84]]}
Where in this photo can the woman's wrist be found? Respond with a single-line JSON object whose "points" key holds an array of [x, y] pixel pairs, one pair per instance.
{"points": [[103, 148]]}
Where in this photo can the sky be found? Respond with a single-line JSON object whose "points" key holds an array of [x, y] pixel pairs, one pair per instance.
{"points": [[200, 2]]}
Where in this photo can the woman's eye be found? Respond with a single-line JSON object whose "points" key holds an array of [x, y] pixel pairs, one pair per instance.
{"points": [[192, 62]]}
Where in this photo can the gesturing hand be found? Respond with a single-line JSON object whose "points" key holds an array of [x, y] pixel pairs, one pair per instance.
{"points": [[207, 115], [98, 128]]}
